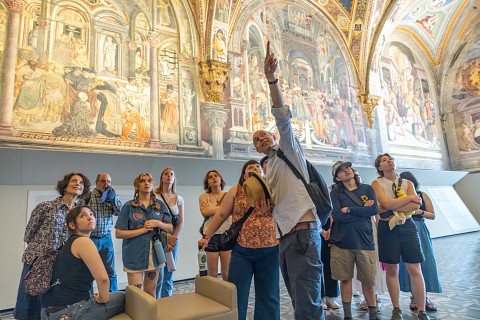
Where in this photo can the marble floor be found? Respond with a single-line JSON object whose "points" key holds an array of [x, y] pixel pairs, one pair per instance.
{"points": [[458, 261]]}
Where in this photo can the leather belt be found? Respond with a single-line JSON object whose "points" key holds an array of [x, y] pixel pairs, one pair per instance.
{"points": [[306, 225], [97, 237], [50, 310]]}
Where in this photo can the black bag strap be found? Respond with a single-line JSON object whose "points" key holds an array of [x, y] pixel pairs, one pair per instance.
{"points": [[394, 186], [295, 171], [246, 215], [166, 203], [354, 198]]}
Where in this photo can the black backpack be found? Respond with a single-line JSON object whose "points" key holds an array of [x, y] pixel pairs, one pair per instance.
{"points": [[317, 189]]}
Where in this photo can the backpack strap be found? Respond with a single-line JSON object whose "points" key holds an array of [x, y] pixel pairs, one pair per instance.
{"points": [[354, 198], [295, 171]]}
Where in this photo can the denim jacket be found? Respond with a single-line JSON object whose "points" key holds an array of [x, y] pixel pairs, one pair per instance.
{"points": [[135, 251]]}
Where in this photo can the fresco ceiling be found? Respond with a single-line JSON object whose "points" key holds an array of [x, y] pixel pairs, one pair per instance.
{"points": [[432, 23]]}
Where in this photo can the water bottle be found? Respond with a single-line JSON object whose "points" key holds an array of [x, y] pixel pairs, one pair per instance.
{"points": [[170, 262], [202, 262]]}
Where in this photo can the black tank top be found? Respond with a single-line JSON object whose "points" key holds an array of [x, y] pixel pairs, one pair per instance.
{"points": [[71, 279]]}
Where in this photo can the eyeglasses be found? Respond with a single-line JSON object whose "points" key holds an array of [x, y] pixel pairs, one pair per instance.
{"points": [[105, 181]]}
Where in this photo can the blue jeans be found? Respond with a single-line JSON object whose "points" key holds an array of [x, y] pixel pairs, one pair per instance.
{"points": [[90, 309], [262, 263], [165, 288], [105, 249], [27, 307], [301, 265]]}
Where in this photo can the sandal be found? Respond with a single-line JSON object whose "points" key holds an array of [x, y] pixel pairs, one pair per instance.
{"points": [[363, 306], [430, 306], [413, 304]]}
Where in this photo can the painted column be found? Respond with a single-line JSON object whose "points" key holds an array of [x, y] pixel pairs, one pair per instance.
{"points": [[216, 116], [215, 74], [10, 59], [131, 55], [246, 47], [154, 42]]}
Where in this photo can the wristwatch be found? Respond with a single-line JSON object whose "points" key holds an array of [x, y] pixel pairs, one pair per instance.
{"points": [[423, 212], [273, 82], [348, 210]]}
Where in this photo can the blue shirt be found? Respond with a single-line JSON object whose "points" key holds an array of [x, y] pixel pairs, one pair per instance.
{"points": [[353, 230], [291, 198], [135, 251]]}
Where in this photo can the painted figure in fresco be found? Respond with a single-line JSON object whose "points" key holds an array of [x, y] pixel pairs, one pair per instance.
{"points": [[77, 82], [109, 54], [164, 69], [188, 95], [170, 111], [61, 52], [31, 98], [77, 122], [138, 59], [80, 53], [220, 47], [3, 28], [164, 16], [33, 37], [428, 23], [318, 109], [466, 136], [97, 87], [133, 129], [221, 13], [54, 93], [237, 88]]}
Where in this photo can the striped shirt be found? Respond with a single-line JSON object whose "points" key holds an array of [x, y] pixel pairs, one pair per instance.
{"points": [[104, 213], [291, 198]]}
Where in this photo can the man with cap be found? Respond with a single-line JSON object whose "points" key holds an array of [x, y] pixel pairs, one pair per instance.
{"points": [[351, 237], [296, 221], [105, 203]]}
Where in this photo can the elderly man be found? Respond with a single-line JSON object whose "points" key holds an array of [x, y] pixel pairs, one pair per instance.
{"points": [[105, 203], [295, 214]]}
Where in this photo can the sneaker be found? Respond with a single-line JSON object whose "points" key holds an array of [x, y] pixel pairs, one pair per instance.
{"points": [[324, 304], [331, 303], [396, 314], [422, 315]]}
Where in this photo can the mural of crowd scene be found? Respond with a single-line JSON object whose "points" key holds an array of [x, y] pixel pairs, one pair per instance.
{"points": [[83, 73], [407, 102], [466, 103], [327, 118]]}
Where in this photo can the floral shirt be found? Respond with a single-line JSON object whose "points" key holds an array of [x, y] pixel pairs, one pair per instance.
{"points": [[46, 229], [258, 231]]}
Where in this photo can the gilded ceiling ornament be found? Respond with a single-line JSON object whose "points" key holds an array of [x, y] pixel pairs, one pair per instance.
{"points": [[368, 103], [215, 74]]}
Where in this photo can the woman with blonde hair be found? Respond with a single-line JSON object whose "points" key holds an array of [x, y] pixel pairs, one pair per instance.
{"points": [[210, 201], [136, 225], [174, 203]]}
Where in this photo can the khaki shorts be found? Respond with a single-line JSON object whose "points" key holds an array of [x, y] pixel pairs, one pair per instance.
{"points": [[342, 262]]}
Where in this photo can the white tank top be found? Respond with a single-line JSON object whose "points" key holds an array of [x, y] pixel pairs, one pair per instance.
{"points": [[387, 186]]}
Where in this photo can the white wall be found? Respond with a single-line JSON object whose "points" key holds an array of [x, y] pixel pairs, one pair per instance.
{"points": [[468, 189], [24, 170]]}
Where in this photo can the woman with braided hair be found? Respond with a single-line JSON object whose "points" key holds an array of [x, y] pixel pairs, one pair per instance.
{"points": [[136, 224]]}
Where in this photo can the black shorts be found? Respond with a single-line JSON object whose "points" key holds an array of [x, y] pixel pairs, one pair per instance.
{"points": [[214, 244], [400, 242]]}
